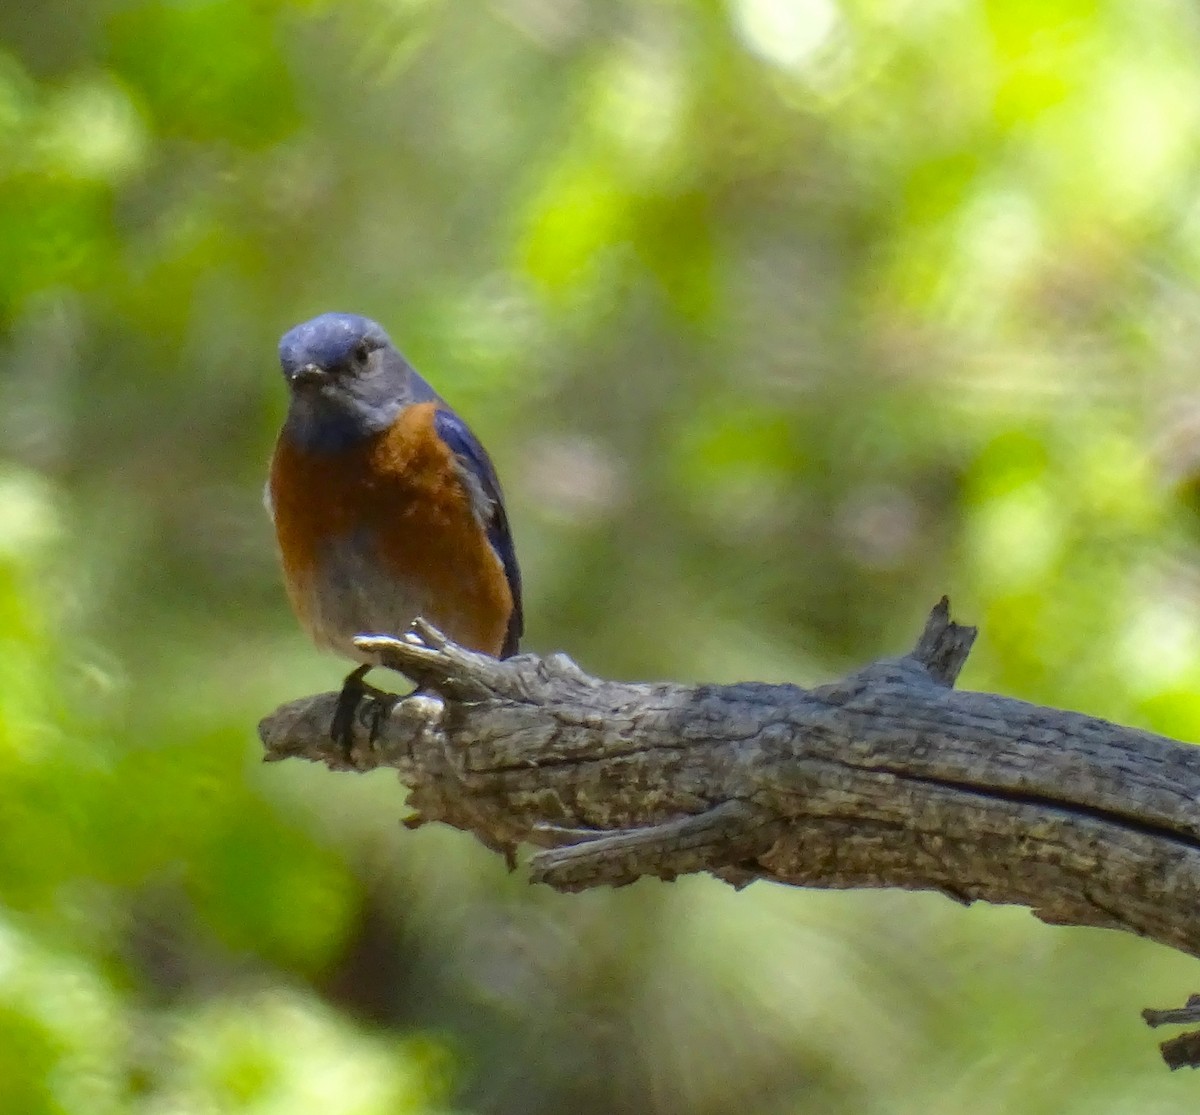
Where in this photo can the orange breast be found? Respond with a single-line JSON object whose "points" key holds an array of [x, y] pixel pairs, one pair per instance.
{"points": [[394, 502]]}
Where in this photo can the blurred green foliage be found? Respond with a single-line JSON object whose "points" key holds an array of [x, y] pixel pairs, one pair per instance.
{"points": [[780, 317]]}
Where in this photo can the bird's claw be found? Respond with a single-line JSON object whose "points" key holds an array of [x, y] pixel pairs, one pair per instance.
{"points": [[361, 703], [374, 710]]}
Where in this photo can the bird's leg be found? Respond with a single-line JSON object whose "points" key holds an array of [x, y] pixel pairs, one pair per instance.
{"points": [[353, 691], [350, 704]]}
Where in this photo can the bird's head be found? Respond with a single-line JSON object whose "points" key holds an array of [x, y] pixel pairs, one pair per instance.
{"points": [[346, 380]]}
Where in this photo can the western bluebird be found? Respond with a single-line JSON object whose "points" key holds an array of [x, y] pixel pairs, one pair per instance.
{"points": [[385, 505]]}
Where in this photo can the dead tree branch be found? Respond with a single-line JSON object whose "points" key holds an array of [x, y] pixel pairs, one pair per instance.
{"points": [[888, 778]]}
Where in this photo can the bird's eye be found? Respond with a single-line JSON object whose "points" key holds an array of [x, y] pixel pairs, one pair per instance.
{"points": [[362, 353]]}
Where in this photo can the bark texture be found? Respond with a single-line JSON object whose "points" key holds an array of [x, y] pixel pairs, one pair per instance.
{"points": [[888, 778]]}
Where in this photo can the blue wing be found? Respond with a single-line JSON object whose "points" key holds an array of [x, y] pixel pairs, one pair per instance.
{"points": [[484, 487]]}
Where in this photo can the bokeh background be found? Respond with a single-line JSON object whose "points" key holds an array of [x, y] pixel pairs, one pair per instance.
{"points": [[780, 318]]}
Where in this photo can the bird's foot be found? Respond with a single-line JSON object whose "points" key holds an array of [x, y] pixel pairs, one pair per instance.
{"points": [[363, 703], [375, 709]]}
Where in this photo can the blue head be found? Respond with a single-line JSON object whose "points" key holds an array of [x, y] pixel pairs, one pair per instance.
{"points": [[346, 381]]}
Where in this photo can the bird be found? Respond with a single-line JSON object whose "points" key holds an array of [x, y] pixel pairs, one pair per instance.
{"points": [[386, 506]]}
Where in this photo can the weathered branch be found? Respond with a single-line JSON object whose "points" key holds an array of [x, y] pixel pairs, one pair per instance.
{"points": [[889, 778]]}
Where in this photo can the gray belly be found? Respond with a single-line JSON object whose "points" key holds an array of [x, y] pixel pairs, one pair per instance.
{"points": [[351, 595]]}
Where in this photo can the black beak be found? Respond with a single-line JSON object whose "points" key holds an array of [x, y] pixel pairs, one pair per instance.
{"points": [[307, 375]]}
